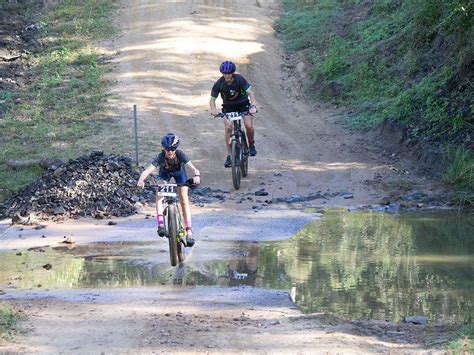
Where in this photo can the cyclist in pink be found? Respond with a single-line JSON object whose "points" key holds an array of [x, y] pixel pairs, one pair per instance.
{"points": [[235, 92], [171, 163]]}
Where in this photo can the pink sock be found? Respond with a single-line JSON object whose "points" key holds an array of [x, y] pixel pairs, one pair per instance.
{"points": [[159, 219], [188, 225]]}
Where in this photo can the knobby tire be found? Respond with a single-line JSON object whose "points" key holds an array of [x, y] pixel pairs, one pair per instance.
{"points": [[172, 234], [235, 156], [244, 165], [181, 248]]}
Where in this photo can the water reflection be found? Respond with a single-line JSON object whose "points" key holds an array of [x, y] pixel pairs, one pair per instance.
{"points": [[243, 269], [361, 265], [371, 265]]}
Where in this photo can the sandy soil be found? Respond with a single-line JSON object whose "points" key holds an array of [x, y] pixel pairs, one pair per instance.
{"points": [[165, 62]]}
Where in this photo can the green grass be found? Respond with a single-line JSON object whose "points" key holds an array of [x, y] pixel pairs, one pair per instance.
{"points": [[460, 174], [463, 342], [387, 58], [64, 101], [409, 62], [9, 320]]}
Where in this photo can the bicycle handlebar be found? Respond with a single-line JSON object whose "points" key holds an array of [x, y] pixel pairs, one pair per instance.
{"points": [[189, 183], [224, 114]]}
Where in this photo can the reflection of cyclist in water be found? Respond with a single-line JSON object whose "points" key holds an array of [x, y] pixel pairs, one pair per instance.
{"points": [[243, 270]]}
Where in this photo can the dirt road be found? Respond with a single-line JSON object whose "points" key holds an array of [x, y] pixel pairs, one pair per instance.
{"points": [[165, 62]]}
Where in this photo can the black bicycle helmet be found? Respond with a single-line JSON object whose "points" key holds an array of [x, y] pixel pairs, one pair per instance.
{"points": [[170, 142], [227, 67]]}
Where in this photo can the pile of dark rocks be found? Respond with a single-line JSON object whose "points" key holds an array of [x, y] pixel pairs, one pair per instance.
{"points": [[94, 185]]}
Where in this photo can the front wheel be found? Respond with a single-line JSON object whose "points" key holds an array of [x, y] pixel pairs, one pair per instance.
{"points": [[172, 234], [180, 245], [235, 154]]}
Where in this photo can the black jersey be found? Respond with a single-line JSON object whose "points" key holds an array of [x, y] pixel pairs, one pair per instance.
{"points": [[171, 165], [234, 93]]}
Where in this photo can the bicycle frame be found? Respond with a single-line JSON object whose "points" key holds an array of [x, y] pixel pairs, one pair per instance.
{"points": [[239, 148]]}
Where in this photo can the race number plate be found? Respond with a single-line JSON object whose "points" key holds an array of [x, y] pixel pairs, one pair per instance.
{"points": [[167, 190], [233, 116]]}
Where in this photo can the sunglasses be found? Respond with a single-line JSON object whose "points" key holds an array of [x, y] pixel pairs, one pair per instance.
{"points": [[171, 150]]}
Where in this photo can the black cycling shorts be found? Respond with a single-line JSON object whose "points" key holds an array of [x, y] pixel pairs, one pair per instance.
{"points": [[179, 176], [243, 107]]}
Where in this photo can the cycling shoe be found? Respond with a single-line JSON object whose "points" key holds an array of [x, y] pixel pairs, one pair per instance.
{"points": [[252, 150], [190, 241], [161, 231]]}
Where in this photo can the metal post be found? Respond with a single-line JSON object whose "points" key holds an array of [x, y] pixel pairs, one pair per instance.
{"points": [[136, 132]]}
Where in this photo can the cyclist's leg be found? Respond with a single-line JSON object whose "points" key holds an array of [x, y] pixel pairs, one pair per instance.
{"points": [[184, 202], [162, 179], [248, 123], [227, 131], [227, 126], [181, 178], [161, 230]]}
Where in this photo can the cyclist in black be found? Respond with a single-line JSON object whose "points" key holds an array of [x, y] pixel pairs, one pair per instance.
{"points": [[171, 163], [235, 93]]}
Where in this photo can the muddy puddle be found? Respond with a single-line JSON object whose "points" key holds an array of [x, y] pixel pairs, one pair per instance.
{"points": [[361, 265]]}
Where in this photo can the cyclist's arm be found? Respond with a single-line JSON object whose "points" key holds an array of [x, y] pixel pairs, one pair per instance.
{"points": [[212, 105], [253, 101], [252, 98], [197, 174], [144, 175]]}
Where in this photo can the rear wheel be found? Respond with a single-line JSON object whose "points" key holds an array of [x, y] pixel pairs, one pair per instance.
{"points": [[172, 234], [244, 165], [235, 154]]}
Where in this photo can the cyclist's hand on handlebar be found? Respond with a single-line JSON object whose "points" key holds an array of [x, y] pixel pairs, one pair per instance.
{"points": [[253, 109], [141, 184], [214, 112], [197, 180]]}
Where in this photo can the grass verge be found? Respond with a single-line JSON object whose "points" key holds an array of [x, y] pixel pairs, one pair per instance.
{"points": [[463, 342], [408, 62], [64, 97], [9, 319], [460, 175]]}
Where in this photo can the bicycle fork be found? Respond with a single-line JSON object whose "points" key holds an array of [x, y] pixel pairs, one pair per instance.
{"points": [[181, 228]]}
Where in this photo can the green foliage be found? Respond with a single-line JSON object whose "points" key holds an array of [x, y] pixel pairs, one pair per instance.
{"points": [[460, 174], [434, 16], [303, 20], [86, 18], [16, 179], [395, 60], [410, 62], [464, 340], [335, 60], [9, 319], [64, 100]]}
